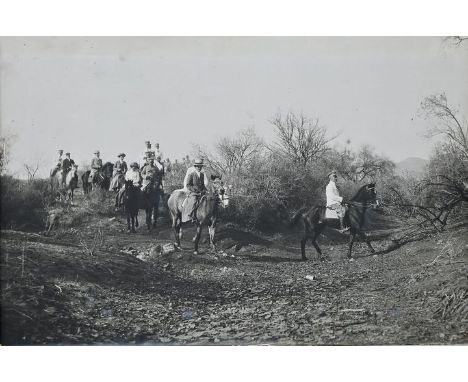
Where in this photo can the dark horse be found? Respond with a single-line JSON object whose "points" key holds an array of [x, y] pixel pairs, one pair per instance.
{"points": [[149, 201], [130, 200], [206, 214], [102, 178], [314, 219]]}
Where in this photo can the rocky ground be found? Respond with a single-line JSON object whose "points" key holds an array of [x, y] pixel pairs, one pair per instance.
{"points": [[91, 282]]}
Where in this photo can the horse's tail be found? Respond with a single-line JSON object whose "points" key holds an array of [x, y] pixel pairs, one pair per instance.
{"points": [[297, 216]]}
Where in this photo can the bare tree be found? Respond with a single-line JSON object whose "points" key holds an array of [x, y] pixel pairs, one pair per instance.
{"points": [[31, 170], [232, 154], [6, 140], [363, 165], [300, 139], [456, 40], [447, 124]]}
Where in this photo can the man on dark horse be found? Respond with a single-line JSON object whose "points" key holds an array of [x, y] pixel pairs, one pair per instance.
{"points": [[67, 164], [335, 201], [152, 188], [96, 165], [120, 169], [195, 182], [58, 164]]}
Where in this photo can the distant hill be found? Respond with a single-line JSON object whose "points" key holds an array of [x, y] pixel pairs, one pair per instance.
{"points": [[411, 166]]}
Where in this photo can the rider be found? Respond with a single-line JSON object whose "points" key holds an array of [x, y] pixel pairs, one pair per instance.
{"points": [[147, 152], [120, 168], [152, 185], [334, 200], [134, 175], [96, 165], [192, 169], [152, 175], [195, 182], [67, 164], [58, 164], [157, 151]]}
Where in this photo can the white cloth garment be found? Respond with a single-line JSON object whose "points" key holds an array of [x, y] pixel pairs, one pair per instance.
{"points": [[333, 196], [133, 176]]}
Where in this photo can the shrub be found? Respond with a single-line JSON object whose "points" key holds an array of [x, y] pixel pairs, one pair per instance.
{"points": [[24, 203]]}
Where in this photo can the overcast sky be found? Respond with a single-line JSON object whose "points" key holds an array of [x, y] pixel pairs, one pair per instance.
{"points": [[111, 94]]}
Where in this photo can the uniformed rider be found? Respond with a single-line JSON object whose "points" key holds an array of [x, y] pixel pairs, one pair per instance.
{"points": [[96, 165], [67, 164]]}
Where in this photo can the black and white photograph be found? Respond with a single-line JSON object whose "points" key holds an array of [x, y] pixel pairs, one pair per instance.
{"points": [[234, 190]]}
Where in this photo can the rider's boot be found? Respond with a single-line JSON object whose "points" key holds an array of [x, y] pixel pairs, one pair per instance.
{"points": [[343, 229]]}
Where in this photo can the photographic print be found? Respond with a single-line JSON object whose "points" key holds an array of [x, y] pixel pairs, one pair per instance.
{"points": [[234, 190]]}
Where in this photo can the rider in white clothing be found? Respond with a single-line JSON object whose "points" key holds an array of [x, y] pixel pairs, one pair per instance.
{"points": [[334, 200]]}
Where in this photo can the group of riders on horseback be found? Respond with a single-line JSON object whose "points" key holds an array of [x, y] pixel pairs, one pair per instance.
{"points": [[148, 178], [146, 183]]}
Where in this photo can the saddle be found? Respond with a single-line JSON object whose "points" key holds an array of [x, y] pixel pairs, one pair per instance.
{"points": [[190, 208]]}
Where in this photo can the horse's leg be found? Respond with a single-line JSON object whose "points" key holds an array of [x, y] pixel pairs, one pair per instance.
{"points": [[176, 225], [303, 244], [136, 219], [133, 223], [212, 232], [155, 210], [351, 241], [365, 238], [148, 217], [128, 221], [317, 231], [197, 239]]}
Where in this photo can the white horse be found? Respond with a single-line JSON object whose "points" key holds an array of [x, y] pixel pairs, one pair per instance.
{"points": [[71, 182]]}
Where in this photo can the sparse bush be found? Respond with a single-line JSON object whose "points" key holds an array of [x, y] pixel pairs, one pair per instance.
{"points": [[24, 203]]}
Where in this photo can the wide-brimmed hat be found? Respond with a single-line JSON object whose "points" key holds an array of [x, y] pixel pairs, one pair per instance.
{"points": [[67, 153], [96, 152], [198, 163], [333, 172], [121, 155], [135, 164], [147, 142], [60, 151]]}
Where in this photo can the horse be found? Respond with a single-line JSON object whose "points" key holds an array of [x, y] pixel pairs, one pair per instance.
{"points": [[206, 213], [87, 185], [130, 201], [56, 179], [101, 178], [314, 220], [150, 197], [71, 182]]}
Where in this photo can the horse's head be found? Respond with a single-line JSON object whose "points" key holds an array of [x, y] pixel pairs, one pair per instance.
{"points": [[107, 169], [73, 170], [367, 195], [219, 190]]}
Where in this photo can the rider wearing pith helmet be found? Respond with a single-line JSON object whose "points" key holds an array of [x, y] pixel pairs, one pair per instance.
{"points": [[134, 165], [335, 200]]}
